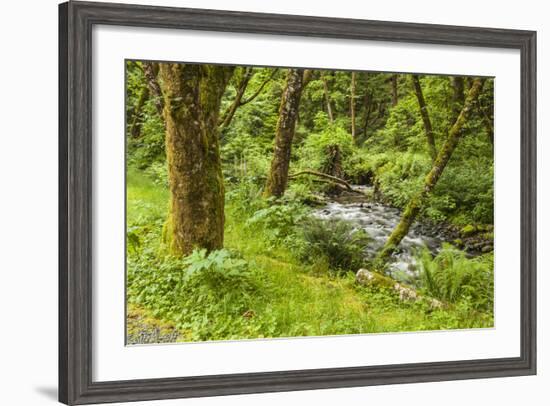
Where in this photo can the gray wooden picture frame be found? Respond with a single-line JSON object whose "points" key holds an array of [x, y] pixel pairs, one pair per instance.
{"points": [[76, 20]]}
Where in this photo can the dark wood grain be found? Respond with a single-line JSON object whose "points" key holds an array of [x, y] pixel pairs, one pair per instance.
{"points": [[75, 202]]}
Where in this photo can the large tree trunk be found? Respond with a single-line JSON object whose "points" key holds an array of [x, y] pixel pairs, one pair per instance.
{"points": [[192, 101], [288, 113], [425, 117], [352, 106], [417, 202]]}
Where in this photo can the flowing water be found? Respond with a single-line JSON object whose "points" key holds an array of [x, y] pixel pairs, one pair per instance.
{"points": [[379, 221]]}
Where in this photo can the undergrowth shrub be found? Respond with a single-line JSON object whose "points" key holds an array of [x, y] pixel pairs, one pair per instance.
{"points": [[338, 241], [453, 278], [193, 291], [278, 222]]}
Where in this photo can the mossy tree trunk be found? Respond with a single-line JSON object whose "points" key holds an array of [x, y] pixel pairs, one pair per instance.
{"points": [[288, 113], [416, 203], [425, 117], [192, 96]]}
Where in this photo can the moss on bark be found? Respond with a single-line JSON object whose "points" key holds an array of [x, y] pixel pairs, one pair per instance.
{"points": [[192, 96], [288, 112]]}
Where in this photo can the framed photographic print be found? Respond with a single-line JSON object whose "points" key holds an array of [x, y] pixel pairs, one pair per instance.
{"points": [[259, 202]]}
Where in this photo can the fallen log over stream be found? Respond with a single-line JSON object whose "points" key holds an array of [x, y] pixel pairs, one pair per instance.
{"points": [[330, 178]]}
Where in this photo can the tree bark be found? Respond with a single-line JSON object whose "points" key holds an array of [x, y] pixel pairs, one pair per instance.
{"points": [[191, 109], [425, 117], [352, 106], [288, 112], [150, 70], [417, 202], [394, 98]]}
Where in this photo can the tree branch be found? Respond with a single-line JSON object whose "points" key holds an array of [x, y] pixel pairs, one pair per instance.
{"points": [[259, 90]]}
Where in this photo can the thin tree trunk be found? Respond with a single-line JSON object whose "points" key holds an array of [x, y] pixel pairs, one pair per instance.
{"points": [[327, 99], [425, 117], [417, 202], [288, 113], [394, 98], [488, 123], [191, 110], [368, 105], [135, 126], [457, 100], [308, 76], [150, 70], [352, 106]]}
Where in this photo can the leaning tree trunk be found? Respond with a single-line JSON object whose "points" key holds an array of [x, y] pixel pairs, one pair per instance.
{"points": [[425, 117], [417, 202], [191, 110], [288, 113]]}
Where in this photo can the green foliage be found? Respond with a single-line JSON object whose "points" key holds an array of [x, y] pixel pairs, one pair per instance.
{"points": [[313, 153], [453, 278], [278, 222], [193, 291], [342, 245]]}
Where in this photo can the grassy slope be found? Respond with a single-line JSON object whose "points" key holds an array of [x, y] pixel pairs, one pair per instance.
{"points": [[294, 299]]}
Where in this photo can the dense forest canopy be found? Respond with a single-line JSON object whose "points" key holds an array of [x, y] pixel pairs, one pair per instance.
{"points": [[231, 167]]}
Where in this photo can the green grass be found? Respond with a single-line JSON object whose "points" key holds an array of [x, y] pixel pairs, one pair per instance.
{"points": [[279, 295]]}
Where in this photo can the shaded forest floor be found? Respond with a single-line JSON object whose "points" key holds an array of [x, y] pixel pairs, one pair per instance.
{"points": [[278, 295]]}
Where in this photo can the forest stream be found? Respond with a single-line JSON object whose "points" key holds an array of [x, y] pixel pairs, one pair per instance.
{"points": [[379, 220]]}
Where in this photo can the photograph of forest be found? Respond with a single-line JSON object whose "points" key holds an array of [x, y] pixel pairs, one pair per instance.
{"points": [[266, 202]]}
